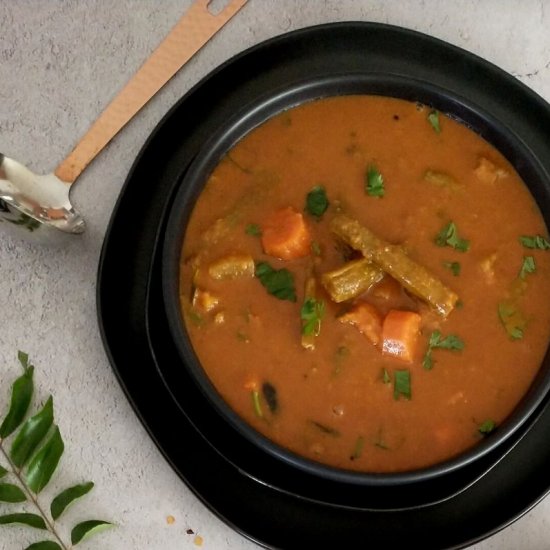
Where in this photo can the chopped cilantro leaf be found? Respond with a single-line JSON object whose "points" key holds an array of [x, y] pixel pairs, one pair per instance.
{"points": [[528, 266], [433, 119], [253, 229], [454, 267], [512, 319], [311, 314], [374, 182], [402, 384], [487, 427], [448, 236], [316, 248], [535, 241], [450, 342], [278, 282], [317, 202]]}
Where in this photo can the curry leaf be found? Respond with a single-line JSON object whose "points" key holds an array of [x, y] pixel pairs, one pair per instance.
{"points": [[44, 545], [21, 394], [44, 462], [32, 520], [11, 493], [31, 434], [67, 497], [3, 472], [87, 529]]}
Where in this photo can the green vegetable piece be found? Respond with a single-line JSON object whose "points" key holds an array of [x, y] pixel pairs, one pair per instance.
{"points": [[414, 277], [535, 241], [11, 493], [62, 501], [32, 520], [31, 434], [44, 545], [3, 472], [448, 236], [454, 267], [512, 319], [256, 405], [374, 182], [23, 359], [312, 313], [317, 202], [351, 280], [232, 266], [253, 229], [487, 427], [270, 395], [358, 449], [21, 394], [44, 462], [386, 377], [88, 528], [528, 266], [278, 282], [433, 119], [402, 384]]}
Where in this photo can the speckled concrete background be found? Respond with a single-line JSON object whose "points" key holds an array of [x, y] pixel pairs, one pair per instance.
{"points": [[60, 63]]}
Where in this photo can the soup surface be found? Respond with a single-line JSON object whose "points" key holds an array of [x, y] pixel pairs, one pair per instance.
{"points": [[366, 282]]}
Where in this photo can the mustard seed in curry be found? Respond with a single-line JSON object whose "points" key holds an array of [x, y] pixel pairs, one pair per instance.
{"points": [[366, 282]]}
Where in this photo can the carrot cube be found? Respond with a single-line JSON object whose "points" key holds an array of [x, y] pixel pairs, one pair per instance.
{"points": [[400, 331], [366, 319], [285, 235]]}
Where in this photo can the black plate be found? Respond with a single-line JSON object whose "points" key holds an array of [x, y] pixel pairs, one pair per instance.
{"points": [[127, 277]]}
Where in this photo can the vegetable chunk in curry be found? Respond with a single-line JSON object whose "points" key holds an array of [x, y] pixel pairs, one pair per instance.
{"points": [[366, 282]]}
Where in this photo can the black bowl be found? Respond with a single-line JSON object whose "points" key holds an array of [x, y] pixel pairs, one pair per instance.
{"points": [[518, 144]]}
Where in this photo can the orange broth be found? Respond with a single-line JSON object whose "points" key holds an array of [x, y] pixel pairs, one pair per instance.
{"points": [[337, 403]]}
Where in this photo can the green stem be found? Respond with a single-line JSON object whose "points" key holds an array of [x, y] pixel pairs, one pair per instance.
{"points": [[17, 473]]}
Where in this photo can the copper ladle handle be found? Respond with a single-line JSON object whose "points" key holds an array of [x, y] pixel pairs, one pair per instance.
{"points": [[191, 32]]}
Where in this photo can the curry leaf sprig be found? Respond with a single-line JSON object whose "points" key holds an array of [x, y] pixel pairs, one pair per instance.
{"points": [[29, 461]]}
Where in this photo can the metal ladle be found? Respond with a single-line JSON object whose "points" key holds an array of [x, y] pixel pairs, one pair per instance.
{"points": [[33, 201]]}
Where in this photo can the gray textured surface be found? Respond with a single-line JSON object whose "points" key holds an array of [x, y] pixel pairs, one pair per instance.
{"points": [[60, 63]]}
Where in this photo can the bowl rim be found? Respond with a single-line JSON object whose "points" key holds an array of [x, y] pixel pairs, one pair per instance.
{"points": [[254, 113]]}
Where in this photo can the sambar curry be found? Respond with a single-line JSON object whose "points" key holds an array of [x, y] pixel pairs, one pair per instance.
{"points": [[366, 282]]}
